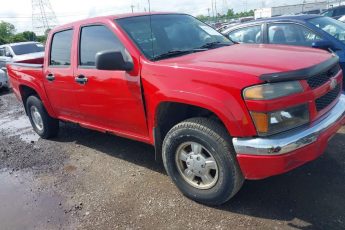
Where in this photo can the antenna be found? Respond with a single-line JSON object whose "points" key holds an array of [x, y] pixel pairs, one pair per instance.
{"points": [[43, 16]]}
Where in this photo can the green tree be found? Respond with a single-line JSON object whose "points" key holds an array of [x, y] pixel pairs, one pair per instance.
{"points": [[230, 13], [29, 35], [6, 31], [202, 18], [42, 39], [18, 38]]}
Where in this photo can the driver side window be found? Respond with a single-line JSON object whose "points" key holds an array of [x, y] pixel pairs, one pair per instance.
{"points": [[94, 39], [251, 34]]}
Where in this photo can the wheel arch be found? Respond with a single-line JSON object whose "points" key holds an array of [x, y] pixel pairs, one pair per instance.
{"points": [[170, 113], [27, 90]]}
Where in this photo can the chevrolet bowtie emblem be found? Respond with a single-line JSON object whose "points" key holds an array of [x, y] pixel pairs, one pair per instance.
{"points": [[333, 83]]}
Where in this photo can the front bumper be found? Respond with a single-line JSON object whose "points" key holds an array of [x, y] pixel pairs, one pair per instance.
{"points": [[263, 157]]}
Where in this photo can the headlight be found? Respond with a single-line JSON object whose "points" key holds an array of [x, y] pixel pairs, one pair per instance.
{"points": [[272, 90], [279, 121]]}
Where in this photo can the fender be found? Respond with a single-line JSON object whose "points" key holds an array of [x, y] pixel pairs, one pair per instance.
{"points": [[237, 124], [21, 78]]}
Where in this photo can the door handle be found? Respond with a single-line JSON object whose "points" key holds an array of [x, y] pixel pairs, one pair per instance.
{"points": [[50, 77], [81, 79]]}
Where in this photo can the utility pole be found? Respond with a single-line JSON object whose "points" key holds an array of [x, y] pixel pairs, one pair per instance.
{"points": [[43, 16], [208, 12], [212, 10], [215, 8], [304, 2]]}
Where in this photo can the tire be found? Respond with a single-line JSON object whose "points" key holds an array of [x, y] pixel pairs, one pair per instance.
{"points": [[215, 142], [45, 126]]}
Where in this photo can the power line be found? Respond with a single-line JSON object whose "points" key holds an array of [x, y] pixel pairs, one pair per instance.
{"points": [[43, 16]]}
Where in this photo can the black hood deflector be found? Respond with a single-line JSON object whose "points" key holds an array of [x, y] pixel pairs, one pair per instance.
{"points": [[301, 73]]}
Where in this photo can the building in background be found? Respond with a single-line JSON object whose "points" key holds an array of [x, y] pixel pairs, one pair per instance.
{"points": [[310, 7]]}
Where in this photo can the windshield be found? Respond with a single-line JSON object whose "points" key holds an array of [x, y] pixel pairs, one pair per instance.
{"points": [[27, 48], [171, 33], [330, 26]]}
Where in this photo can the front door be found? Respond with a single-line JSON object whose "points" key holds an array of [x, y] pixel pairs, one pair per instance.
{"points": [[110, 100], [59, 78]]}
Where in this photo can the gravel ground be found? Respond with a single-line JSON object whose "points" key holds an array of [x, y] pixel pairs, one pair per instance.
{"points": [[88, 180]]}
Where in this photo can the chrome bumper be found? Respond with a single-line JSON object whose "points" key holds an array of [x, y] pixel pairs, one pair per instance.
{"points": [[292, 140]]}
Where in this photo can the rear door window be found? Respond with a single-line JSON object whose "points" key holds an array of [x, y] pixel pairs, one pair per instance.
{"points": [[251, 34], [60, 54], [94, 39], [339, 11], [328, 13], [291, 34]]}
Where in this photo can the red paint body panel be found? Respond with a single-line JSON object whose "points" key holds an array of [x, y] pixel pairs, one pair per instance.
{"points": [[126, 103], [260, 167]]}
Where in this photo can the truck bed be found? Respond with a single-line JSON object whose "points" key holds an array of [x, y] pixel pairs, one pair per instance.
{"points": [[27, 72]]}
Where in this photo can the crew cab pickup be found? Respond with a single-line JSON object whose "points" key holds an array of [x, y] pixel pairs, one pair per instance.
{"points": [[216, 112]]}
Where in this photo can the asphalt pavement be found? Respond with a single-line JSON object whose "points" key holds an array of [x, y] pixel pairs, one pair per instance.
{"points": [[88, 180]]}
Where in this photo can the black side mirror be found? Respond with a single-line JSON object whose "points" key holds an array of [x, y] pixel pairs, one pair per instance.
{"points": [[112, 60], [325, 45]]}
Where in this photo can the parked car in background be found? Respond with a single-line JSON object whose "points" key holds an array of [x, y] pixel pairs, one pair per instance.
{"points": [[342, 18], [3, 79], [22, 51], [297, 30], [216, 112], [227, 25], [335, 12]]}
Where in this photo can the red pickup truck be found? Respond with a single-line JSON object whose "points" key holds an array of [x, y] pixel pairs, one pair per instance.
{"points": [[216, 112]]}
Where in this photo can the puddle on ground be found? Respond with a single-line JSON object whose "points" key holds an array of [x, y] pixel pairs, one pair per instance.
{"points": [[22, 208], [20, 126]]}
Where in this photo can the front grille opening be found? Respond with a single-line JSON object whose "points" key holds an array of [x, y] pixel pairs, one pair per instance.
{"points": [[322, 78], [327, 99]]}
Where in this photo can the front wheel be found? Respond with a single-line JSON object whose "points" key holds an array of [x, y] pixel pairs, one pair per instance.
{"points": [[43, 124], [199, 157]]}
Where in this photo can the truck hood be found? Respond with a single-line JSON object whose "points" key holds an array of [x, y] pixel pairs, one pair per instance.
{"points": [[255, 60]]}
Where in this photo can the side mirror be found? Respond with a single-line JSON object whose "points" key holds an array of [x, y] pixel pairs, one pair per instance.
{"points": [[8, 54], [325, 45], [112, 60]]}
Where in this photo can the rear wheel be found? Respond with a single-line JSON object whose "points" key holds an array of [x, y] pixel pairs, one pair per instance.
{"points": [[43, 124], [199, 157]]}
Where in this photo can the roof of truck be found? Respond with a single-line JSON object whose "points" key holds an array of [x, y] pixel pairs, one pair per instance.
{"points": [[116, 16]]}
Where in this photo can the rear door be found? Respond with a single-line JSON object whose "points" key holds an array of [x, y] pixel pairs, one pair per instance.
{"points": [[58, 75], [110, 100]]}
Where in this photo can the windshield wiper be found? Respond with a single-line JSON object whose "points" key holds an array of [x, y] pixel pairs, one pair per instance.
{"points": [[210, 45], [173, 53]]}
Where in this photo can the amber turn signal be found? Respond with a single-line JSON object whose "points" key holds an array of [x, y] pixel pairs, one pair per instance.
{"points": [[261, 121]]}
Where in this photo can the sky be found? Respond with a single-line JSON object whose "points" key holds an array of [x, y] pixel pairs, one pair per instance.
{"points": [[18, 12]]}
